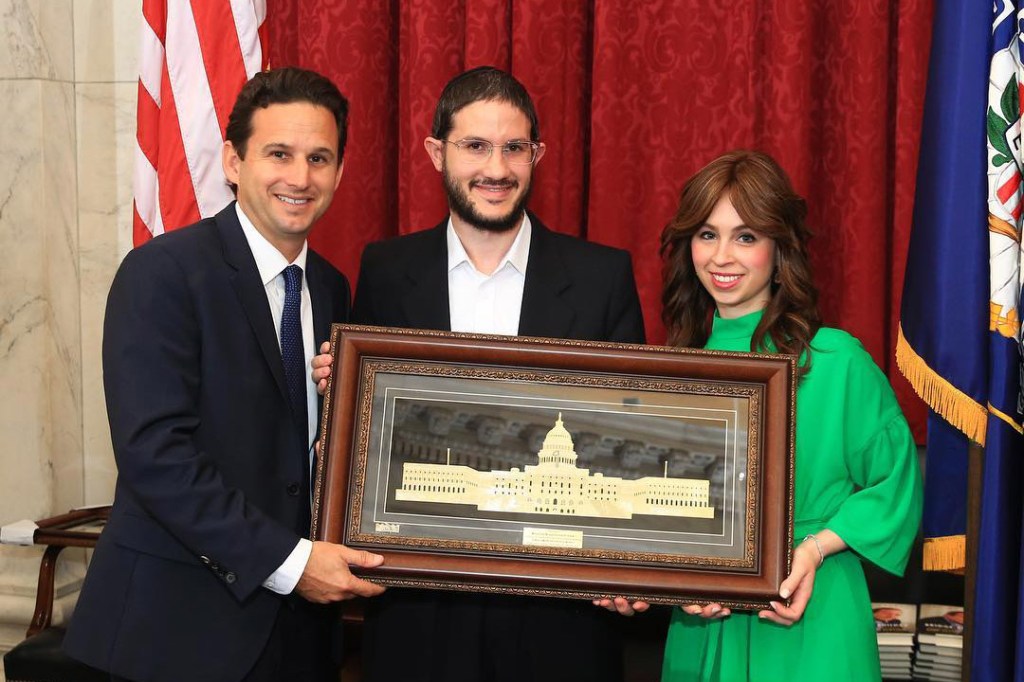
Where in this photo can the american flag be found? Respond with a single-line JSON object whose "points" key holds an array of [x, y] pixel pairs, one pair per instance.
{"points": [[194, 57]]}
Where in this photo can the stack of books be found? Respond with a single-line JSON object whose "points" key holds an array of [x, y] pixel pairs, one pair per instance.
{"points": [[940, 642], [895, 626]]}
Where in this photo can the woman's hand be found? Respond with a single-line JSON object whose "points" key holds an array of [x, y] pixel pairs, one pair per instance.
{"points": [[799, 584]]}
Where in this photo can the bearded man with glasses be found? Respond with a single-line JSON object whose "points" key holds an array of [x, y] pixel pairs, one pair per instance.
{"points": [[492, 267]]}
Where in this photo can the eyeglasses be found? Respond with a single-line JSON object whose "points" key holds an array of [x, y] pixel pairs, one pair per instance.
{"points": [[520, 153]]}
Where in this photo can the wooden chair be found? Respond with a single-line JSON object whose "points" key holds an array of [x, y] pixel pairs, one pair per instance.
{"points": [[40, 657]]}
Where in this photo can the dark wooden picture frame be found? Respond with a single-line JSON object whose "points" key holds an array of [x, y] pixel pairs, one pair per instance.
{"points": [[559, 468]]}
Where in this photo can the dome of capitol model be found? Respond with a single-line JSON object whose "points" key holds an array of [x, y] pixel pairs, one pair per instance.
{"points": [[558, 447]]}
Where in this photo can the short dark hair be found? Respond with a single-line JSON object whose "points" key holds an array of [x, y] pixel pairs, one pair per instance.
{"points": [[285, 86], [482, 84]]}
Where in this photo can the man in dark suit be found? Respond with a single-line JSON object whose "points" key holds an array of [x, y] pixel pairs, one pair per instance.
{"points": [[203, 571], [492, 267]]}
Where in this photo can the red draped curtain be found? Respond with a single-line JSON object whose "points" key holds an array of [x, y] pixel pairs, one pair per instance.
{"points": [[634, 97]]}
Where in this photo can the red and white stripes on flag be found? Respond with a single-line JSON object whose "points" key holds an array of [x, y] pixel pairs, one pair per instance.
{"points": [[194, 57]]}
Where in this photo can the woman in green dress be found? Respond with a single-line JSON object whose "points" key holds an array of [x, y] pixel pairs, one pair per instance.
{"points": [[738, 278]]}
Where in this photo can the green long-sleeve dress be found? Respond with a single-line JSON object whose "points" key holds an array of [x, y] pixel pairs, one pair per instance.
{"points": [[857, 475]]}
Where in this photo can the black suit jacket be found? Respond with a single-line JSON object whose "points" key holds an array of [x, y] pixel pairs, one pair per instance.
{"points": [[574, 289], [208, 502]]}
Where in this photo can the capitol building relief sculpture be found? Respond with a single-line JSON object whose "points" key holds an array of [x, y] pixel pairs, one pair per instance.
{"points": [[555, 485]]}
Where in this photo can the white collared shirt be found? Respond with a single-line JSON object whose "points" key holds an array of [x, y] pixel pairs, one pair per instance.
{"points": [[271, 264], [487, 304]]}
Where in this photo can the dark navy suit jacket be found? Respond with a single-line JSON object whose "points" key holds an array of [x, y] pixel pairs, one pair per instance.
{"points": [[208, 498]]}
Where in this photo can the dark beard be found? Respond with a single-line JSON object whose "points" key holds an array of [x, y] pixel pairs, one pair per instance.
{"points": [[461, 206]]}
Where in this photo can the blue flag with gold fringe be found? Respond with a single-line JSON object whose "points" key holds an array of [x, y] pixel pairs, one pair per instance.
{"points": [[960, 335]]}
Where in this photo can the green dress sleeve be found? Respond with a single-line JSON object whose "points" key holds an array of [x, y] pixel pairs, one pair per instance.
{"points": [[879, 520]]}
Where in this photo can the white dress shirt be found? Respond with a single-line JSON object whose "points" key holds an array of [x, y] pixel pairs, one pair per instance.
{"points": [[487, 304], [271, 264]]}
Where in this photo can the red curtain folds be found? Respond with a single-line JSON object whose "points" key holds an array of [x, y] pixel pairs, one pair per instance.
{"points": [[633, 98]]}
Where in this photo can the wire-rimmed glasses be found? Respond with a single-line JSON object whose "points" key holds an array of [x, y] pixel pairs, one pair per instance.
{"points": [[517, 152]]}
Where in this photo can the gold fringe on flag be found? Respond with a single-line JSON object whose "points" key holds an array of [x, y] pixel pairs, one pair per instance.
{"points": [[947, 553], [952, 404]]}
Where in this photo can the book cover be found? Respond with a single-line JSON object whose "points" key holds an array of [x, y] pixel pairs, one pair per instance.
{"points": [[894, 624], [940, 619], [893, 617]]}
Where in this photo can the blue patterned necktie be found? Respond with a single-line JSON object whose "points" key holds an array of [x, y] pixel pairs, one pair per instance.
{"points": [[291, 344]]}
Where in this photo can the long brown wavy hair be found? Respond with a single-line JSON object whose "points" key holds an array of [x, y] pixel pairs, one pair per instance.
{"points": [[763, 196]]}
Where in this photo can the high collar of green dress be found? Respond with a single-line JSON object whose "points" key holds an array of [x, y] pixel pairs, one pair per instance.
{"points": [[736, 327]]}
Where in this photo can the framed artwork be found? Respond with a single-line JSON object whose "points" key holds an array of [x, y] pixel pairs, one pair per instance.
{"points": [[559, 468]]}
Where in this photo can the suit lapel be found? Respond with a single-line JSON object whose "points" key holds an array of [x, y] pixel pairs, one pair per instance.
{"points": [[543, 312], [319, 296], [251, 293], [425, 298]]}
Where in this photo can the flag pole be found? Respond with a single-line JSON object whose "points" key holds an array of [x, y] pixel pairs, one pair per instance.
{"points": [[975, 469]]}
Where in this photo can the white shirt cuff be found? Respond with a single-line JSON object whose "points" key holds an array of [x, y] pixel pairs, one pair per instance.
{"points": [[287, 575]]}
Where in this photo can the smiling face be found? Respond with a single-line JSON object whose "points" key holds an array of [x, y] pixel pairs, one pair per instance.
{"points": [[490, 195], [290, 171], [733, 262]]}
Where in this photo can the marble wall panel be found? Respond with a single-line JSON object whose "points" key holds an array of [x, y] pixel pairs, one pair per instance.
{"points": [[58, 220], [24, 307], [36, 39], [106, 40], [106, 133]]}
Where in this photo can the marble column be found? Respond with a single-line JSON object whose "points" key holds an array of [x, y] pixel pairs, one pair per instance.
{"points": [[67, 82]]}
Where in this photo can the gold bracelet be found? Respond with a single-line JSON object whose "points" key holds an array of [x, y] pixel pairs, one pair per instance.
{"points": [[817, 546]]}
